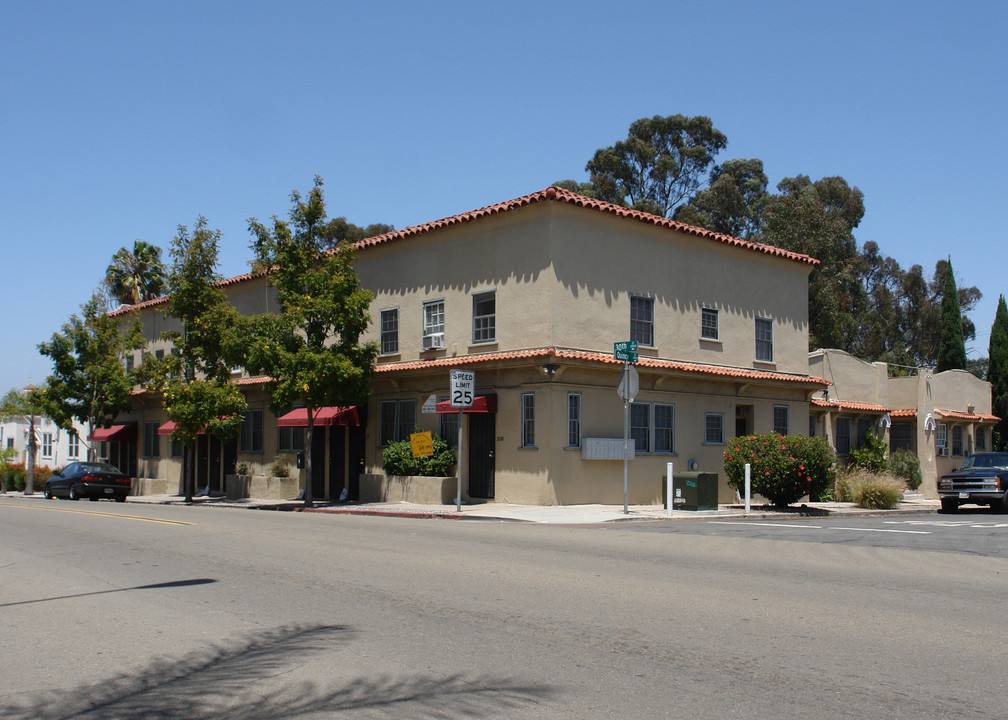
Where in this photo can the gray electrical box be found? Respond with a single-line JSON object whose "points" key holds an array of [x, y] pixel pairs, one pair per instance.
{"points": [[692, 491]]}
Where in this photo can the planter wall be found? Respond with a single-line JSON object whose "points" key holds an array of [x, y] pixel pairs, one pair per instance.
{"points": [[261, 487], [409, 488]]}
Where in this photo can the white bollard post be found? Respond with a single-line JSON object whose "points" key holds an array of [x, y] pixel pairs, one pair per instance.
{"points": [[748, 488], [669, 495]]}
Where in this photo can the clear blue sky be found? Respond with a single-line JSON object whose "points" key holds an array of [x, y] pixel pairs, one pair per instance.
{"points": [[122, 120]]}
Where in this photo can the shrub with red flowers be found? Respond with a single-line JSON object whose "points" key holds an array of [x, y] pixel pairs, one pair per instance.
{"points": [[783, 469]]}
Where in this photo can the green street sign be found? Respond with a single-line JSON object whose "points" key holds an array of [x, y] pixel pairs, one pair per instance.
{"points": [[625, 351]]}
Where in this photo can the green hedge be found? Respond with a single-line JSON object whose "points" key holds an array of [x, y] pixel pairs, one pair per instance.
{"points": [[783, 469], [397, 459]]}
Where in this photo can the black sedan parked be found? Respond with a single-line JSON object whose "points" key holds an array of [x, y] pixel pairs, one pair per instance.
{"points": [[982, 479], [94, 480]]}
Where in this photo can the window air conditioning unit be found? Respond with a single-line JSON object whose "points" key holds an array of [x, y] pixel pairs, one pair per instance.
{"points": [[433, 342], [943, 452]]}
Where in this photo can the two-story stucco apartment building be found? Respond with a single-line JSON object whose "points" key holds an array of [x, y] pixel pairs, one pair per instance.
{"points": [[531, 295]]}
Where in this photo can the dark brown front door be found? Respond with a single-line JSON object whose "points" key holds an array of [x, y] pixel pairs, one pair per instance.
{"points": [[337, 460], [482, 432], [318, 459]]}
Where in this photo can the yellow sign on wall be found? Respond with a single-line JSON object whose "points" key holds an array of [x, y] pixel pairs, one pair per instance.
{"points": [[422, 444]]}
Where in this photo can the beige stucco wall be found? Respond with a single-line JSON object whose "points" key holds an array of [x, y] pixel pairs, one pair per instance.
{"points": [[854, 380]]}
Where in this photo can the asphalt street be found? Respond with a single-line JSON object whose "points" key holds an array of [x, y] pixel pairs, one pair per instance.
{"points": [[112, 611]]}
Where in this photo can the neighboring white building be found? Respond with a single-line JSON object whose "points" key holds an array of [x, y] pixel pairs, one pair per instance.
{"points": [[56, 447]]}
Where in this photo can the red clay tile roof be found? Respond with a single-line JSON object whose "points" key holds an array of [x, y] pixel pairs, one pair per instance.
{"points": [[845, 405], [566, 196], [954, 415], [126, 309], [603, 358], [903, 413]]}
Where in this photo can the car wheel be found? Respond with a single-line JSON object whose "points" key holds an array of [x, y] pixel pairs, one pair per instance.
{"points": [[93, 499], [121, 498], [47, 493], [1000, 506], [74, 493], [949, 505]]}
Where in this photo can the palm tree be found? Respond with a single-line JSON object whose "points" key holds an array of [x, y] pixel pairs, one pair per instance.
{"points": [[133, 277]]}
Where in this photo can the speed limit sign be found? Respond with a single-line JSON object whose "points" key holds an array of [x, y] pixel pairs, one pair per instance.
{"points": [[462, 384]]}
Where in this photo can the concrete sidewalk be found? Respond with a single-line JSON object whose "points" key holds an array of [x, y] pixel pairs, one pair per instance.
{"points": [[551, 514]]}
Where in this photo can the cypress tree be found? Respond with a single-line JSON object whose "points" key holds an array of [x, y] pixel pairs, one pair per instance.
{"points": [[997, 371], [951, 346]]}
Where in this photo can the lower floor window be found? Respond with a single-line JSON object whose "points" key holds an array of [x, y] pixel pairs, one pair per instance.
{"points": [[652, 427], [398, 419], [714, 428], [980, 438], [842, 439], [250, 437], [901, 436], [780, 419], [528, 420]]}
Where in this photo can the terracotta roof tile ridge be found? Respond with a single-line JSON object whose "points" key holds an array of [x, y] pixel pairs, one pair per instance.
{"points": [[163, 300], [960, 415], [556, 194]]}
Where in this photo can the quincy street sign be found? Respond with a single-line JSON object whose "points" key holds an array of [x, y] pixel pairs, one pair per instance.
{"points": [[625, 351]]}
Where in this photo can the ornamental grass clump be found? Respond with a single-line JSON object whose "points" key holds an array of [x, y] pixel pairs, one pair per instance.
{"points": [[783, 469], [874, 491]]}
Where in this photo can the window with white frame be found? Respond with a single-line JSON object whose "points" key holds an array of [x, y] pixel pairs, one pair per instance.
{"points": [[397, 421], [714, 428], [151, 440], [47, 445], [73, 445], [484, 325], [842, 438], [764, 340], [250, 435], [980, 438], [573, 420], [642, 320], [528, 420], [664, 428], [941, 438], [780, 419], [640, 426], [390, 331], [708, 323], [957, 440], [433, 325]]}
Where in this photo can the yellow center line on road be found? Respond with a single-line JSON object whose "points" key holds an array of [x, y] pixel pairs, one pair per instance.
{"points": [[96, 512]]}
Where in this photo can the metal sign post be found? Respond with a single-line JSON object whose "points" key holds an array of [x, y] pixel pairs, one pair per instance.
{"points": [[461, 396], [629, 384]]}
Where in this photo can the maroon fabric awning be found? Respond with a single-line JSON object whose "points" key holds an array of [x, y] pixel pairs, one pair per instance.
{"points": [[126, 431], [167, 429], [481, 404], [351, 415]]}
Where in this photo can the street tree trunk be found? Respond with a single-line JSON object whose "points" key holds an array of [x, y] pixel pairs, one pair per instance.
{"points": [[308, 502]]}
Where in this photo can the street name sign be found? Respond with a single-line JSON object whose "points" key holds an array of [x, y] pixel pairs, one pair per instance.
{"points": [[625, 351]]}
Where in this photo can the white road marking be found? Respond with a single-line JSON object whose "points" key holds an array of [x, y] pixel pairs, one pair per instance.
{"points": [[757, 524]]}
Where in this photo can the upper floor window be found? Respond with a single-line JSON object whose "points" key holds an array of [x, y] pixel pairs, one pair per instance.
{"points": [[390, 331], [151, 440], [433, 325], [129, 362], [708, 324], [573, 420], [642, 320], [250, 436], [780, 419], [73, 445], [764, 340], [484, 324]]}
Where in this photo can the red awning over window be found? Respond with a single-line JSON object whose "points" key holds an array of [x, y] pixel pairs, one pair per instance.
{"points": [[116, 433], [298, 417], [481, 404]]}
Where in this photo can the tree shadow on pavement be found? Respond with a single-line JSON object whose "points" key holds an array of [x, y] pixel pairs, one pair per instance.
{"points": [[238, 680]]}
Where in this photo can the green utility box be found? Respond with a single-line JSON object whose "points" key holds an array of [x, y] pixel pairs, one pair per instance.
{"points": [[692, 491]]}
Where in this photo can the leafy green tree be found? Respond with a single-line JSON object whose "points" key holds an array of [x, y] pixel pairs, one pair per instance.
{"points": [[89, 382], [340, 230], [818, 219], [133, 277], [733, 202], [661, 163], [28, 404], [195, 380], [951, 346], [997, 370], [312, 347]]}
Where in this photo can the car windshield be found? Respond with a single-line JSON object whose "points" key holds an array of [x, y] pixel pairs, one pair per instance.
{"points": [[991, 460]]}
